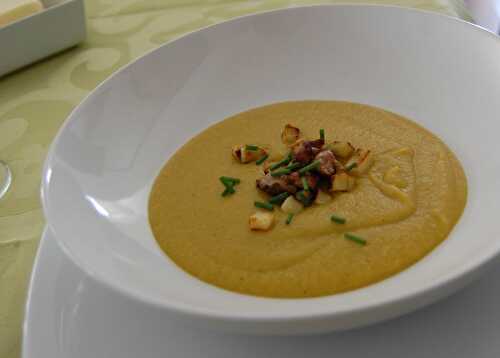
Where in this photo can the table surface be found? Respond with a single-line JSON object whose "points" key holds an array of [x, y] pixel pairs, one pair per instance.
{"points": [[35, 101]]}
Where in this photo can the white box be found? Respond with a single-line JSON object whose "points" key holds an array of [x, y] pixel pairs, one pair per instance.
{"points": [[59, 26]]}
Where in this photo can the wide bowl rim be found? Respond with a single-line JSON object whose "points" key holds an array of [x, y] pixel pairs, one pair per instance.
{"points": [[447, 280]]}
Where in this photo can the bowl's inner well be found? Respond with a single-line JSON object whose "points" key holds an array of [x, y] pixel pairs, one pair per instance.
{"points": [[408, 191]]}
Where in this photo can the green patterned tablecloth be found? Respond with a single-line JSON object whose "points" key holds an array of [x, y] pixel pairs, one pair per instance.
{"points": [[35, 101]]}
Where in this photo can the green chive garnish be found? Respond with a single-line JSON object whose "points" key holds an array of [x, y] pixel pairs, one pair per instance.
{"points": [[322, 134], [229, 180], [305, 197], [262, 160], [278, 199], [267, 206], [305, 184], [279, 172], [355, 238], [351, 167], [293, 166], [337, 219], [289, 219], [309, 167], [229, 183], [283, 161], [229, 190], [251, 147]]}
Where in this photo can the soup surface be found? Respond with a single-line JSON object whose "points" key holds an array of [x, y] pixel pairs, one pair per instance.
{"points": [[404, 205]]}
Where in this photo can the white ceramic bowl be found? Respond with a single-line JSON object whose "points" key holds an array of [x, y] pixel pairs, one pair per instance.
{"points": [[442, 72]]}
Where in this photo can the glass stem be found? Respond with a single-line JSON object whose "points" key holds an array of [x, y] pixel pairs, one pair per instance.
{"points": [[5, 178]]}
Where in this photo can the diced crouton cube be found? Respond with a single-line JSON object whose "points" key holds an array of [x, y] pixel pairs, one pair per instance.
{"points": [[244, 155], [339, 167], [322, 198], [290, 134], [261, 221], [363, 158], [341, 149], [292, 206], [342, 182]]}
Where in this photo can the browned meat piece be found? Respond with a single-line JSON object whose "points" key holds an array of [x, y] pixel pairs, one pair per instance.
{"points": [[317, 144], [304, 151], [293, 179], [312, 181], [275, 185], [296, 180], [327, 162]]}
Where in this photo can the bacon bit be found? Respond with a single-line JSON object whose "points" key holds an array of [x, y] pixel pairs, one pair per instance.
{"points": [[296, 180], [317, 144], [275, 185], [303, 152], [327, 162]]}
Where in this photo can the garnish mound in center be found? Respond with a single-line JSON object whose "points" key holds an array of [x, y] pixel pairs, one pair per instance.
{"points": [[310, 173]]}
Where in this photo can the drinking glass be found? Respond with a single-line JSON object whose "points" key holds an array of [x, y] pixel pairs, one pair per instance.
{"points": [[5, 178]]}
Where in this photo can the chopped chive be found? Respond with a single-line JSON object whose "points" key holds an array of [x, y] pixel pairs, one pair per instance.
{"points": [[322, 134], [226, 182], [355, 238], [229, 183], [229, 180], [293, 166], [337, 219], [278, 172], [262, 159], [351, 167], [309, 167], [305, 197], [267, 206], [283, 161], [277, 199], [289, 219], [251, 147], [229, 190], [305, 184]]}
